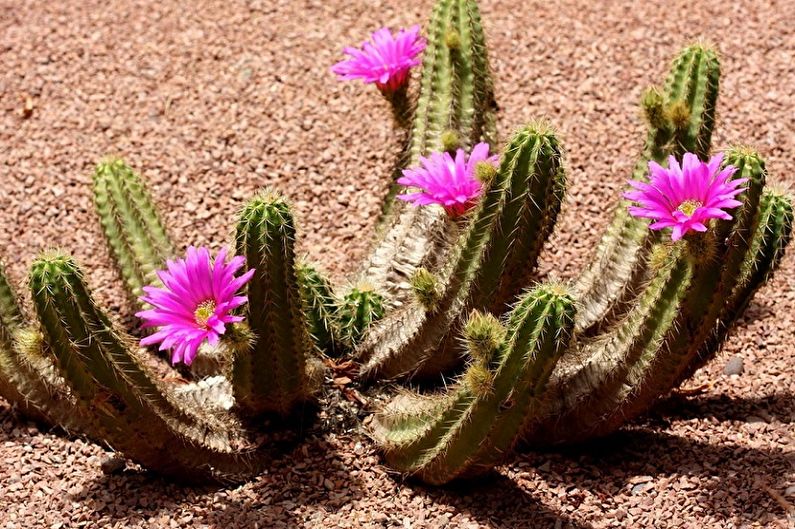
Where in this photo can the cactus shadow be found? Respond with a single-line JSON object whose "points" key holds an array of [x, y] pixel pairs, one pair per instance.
{"points": [[497, 501], [774, 407], [637, 460], [136, 496]]}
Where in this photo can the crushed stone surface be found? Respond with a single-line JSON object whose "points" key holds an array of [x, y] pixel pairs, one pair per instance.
{"points": [[213, 100]]}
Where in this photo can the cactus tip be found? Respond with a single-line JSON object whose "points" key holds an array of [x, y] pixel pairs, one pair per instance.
{"points": [[483, 335], [426, 288]]}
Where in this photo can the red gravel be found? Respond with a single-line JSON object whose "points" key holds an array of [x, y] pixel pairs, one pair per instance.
{"points": [[212, 100]]}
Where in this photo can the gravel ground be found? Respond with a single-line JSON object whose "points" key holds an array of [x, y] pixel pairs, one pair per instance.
{"points": [[215, 101]]}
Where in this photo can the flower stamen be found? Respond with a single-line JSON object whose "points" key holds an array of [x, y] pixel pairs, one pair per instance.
{"points": [[688, 207], [204, 312]]}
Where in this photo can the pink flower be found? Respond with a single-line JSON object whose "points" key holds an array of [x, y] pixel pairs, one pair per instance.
{"points": [[447, 181], [385, 60], [195, 303], [686, 198]]}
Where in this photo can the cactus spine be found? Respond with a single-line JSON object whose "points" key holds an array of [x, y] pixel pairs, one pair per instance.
{"points": [[470, 428], [271, 375], [131, 224], [489, 265]]}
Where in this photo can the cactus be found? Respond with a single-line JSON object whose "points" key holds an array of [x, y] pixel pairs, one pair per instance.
{"points": [[131, 224], [617, 269], [473, 425], [357, 311], [271, 375], [126, 405], [320, 304], [488, 266], [456, 97], [436, 294]]}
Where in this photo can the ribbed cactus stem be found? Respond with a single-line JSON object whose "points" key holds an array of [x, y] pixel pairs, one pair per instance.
{"points": [[456, 97], [617, 376], [358, 309], [130, 409], [15, 383], [618, 267], [772, 235], [474, 426], [489, 265], [271, 376], [320, 305], [131, 224]]}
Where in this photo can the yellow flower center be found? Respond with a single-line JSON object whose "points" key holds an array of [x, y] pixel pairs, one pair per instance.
{"points": [[204, 312], [688, 207]]}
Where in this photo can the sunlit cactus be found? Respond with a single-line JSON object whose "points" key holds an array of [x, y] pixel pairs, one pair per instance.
{"points": [[447, 297]]}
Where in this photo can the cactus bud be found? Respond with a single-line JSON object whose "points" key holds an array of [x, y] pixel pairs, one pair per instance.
{"points": [[426, 288], [452, 40], [479, 379], [483, 335], [450, 141], [485, 173], [653, 107], [678, 114]]}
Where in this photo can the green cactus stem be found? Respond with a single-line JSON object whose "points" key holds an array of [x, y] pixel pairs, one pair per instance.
{"points": [[456, 96], [10, 320], [132, 226], [27, 378], [489, 266], [321, 305], [357, 311], [129, 407], [620, 374], [618, 268], [474, 425], [271, 375]]}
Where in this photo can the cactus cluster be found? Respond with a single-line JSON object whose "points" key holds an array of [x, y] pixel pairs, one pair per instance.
{"points": [[440, 300]]}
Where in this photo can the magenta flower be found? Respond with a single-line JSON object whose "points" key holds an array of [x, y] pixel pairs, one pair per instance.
{"points": [[448, 182], [385, 60], [195, 302], [686, 198]]}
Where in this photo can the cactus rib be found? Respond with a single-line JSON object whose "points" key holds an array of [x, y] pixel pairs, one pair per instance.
{"points": [[271, 375], [488, 267], [131, 224]]}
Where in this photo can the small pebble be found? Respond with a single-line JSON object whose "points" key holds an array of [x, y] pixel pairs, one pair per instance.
{"points": [[734, 366]]}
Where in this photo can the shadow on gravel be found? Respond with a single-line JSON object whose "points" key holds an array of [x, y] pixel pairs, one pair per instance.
{"points": [[634, 461], [498, 502], [776, 407], [295, 479]]}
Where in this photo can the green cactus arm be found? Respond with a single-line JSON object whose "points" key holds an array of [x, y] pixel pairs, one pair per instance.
{"points": [[471, 428], [27, 378], [358, 309], [615, 385], [617, 268], [772, 235], [489, 265], [132, 226], [320, 305], [10, 320], [130, 409], [271, 375], [456, 93]]}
